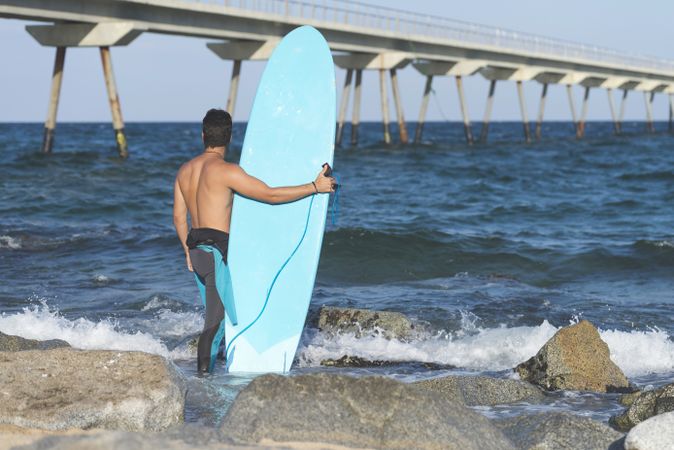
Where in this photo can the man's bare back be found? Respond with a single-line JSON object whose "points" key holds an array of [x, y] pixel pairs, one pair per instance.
{"points": [[208, 199]]}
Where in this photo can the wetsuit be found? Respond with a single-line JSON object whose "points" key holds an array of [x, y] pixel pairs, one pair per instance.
{"points": [[204, 267]]}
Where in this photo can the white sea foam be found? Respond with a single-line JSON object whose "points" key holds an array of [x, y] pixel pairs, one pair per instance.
{"points": [[39, 322], [635, 352], [155, 302], [641, 352], [167, 323], [10, 242]]}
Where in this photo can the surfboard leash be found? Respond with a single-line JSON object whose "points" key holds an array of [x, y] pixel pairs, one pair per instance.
{"points": [[335, 201], [271, 286]]}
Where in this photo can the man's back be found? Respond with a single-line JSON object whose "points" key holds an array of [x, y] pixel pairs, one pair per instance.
{"points": [[207, 196]]}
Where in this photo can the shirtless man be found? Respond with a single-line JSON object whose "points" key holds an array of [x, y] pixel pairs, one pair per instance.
{"points": [[204, 188]]}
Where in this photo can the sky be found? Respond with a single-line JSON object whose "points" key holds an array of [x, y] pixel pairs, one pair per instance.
{"points": [[169, 78]]}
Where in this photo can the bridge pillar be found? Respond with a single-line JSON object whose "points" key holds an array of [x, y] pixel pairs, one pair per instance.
{"points": [[233, 87], [487, 111], [518, 74], [344, 104], [523, 110], [388, 61], [57, 78], [355, 118], [541, 111], [238, 51], [671, 113], [384, 105], [402, 128], [611, 106], [648, 99], [458, 69], [424, 108], [101, 35], [467, 129], [580, 130], [569, 92], [115, 107], [621, 116]]}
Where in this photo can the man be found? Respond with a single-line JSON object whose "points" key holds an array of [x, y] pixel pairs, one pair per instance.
{"points": [[204, 188]]}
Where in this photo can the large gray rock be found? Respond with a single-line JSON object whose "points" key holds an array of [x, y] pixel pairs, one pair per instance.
{"points": [[575, 358], [363, 322], [371, 412], [66, 388], [476, 391], [559, 431], [115, 440], [9, 343], [656, 433], [643, 405]]}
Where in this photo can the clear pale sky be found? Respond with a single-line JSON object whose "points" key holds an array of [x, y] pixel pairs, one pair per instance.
{"points": [[165, 78]]}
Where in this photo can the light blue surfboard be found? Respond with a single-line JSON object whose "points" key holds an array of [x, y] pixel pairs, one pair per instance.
{"points": [[290, 134]]}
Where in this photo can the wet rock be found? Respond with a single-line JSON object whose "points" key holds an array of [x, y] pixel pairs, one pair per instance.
{"points": [[643, 405], [628, 399], [575, 358], [114, 440], [559, 431], [371, 412], [9, 343], [656, 433], [356, 361], [66, 388], [487, 391], [391, 325]]}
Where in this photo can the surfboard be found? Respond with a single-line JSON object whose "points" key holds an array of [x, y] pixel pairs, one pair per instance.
{"points": [[290, 134]]}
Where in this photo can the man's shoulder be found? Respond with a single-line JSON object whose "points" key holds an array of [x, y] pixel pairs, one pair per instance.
{"points": [[224, 167]]}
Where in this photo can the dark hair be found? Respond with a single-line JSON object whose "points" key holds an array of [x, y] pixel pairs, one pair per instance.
{"points": [[217, 128]]}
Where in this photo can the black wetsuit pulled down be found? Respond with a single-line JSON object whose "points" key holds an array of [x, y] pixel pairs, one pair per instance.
{"points": [[204, 267]]}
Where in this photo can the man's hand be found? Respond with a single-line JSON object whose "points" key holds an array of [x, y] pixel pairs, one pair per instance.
{"points": [[189, 262], [325, 184]]}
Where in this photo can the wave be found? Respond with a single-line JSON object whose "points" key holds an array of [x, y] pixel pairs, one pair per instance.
{"points": [[470, 347], [661, 175], [10, 242], [364, 256], [635, 352], [42, 323]]}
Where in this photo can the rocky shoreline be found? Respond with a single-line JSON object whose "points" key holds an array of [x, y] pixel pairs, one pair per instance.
{"points": [[54, 396]]}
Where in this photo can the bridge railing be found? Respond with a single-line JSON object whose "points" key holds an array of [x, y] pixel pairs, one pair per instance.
{"points": [[405, 23]]}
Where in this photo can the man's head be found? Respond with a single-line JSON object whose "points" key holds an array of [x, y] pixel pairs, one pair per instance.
{"points": [[217, 128]]}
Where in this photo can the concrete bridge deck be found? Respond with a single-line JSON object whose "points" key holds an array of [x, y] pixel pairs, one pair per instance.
{"points": [[364, 37]]}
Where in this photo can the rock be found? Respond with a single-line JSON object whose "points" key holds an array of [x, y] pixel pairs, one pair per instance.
{"points": [[372, 412], [575, 358], [559, 431], [356, 361], [67, 388], [114, 440], [487, 391], [391, 325], [628, 399], [644, 405], [656, 433], [9, 343]]}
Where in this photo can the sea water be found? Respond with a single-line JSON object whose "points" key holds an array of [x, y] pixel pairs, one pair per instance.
{"points": [[490, 248]]}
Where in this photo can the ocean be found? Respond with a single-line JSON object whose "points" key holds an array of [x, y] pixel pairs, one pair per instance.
{"points": [[491, 247]]}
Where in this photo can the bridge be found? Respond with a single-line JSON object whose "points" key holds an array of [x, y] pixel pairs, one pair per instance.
{"points": [[362, 37]]}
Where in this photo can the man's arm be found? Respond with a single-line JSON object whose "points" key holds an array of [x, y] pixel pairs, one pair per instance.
{"points": [[180, 220], [239, 181]]}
